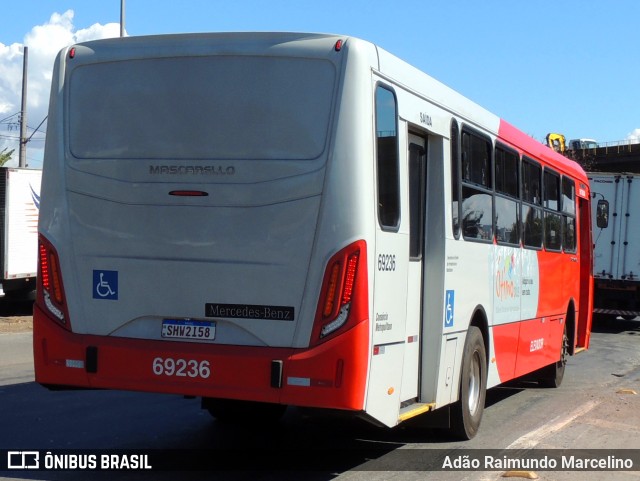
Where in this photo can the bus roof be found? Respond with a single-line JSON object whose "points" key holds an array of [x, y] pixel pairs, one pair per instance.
{"points": [[531, 147]]}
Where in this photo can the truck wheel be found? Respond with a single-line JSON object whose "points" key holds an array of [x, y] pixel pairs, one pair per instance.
{"points": [[552, 375], [467, 412]]}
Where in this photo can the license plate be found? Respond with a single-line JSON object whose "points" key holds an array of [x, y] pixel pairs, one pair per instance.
{"points": [[188, 329]]}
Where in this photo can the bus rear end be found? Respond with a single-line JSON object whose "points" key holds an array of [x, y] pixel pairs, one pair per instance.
{"points": [[182, 193]]}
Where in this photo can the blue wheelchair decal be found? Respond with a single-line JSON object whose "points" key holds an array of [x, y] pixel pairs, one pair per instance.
{"points": [[448, 314], [105, 285]]}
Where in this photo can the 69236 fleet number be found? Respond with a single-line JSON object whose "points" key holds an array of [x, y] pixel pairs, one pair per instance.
{"points": [[386, 262], [167, 366]]}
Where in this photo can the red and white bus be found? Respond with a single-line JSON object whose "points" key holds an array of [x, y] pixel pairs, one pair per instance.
{"points": [[264, 220]]}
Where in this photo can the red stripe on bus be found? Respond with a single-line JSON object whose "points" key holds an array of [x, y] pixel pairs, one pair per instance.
{"points": [[336, 370]]}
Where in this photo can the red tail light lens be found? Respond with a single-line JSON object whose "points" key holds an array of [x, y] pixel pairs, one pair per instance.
{"points": [[56, 284], [344, 295], [331, 290], [350, 277], [43, 275], [50, 289]]}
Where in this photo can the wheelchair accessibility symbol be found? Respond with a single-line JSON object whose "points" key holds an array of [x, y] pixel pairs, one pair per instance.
{"points": [[450, 302], [105, 285]]}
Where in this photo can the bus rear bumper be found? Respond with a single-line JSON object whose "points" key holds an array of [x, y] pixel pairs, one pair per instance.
{"points": [[330, 375]]}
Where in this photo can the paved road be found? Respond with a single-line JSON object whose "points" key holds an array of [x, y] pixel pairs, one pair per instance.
{"points": [[586, 412]]}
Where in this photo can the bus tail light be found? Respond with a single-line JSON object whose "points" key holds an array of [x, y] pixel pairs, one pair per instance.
{"points": [[344, 295], [50, 289]]}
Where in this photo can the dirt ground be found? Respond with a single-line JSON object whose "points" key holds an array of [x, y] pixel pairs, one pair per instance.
{"points": [[15, 316], [16, 324]]}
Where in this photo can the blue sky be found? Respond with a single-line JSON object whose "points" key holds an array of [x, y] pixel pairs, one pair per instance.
{"points": [[546, 66]]}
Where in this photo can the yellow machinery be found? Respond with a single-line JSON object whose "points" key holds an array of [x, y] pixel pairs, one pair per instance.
{"points": [[556, 142]]}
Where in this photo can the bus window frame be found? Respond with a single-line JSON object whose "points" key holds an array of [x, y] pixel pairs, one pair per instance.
{"points": [[535, 203], [550, 212], [470, 185], [391, 189], [569, 214], [511, 197], [456, 187]]}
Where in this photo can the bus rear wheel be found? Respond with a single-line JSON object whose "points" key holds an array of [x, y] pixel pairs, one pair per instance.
{"points": [[467, 412], [234, 411], [553, 374]]}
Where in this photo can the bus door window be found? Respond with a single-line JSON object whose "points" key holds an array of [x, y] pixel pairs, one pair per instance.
{"points": [[387, 159], [417, 193], [455, 178]]}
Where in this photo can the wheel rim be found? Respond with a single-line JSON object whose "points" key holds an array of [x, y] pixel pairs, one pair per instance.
{"points": [[565, 350], [474, 383]]}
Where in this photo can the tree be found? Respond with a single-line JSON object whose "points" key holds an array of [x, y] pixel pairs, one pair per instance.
{"points": [[5, 156]]}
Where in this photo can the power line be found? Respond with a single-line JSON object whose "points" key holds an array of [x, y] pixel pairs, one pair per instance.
{"points": [[9, 137], [36, 130], [17, 137], [31, 137], [7, 118]]}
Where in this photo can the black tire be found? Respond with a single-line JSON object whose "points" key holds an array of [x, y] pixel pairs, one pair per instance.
{"points": [[553, 374], [233, 411], [466, 414]]}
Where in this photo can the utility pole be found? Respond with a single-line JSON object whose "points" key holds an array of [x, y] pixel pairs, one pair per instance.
{"points": [[121, 18], [22, 159]]}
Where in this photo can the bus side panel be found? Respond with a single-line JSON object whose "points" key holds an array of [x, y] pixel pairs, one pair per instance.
{"points": [[537, 346], [468, 292], [526, 346], [505, 340], [507, 306], [551, 279], [389, 326]]}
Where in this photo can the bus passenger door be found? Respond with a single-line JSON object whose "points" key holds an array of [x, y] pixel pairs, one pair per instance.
{"points": [[391, 254], [585, 305], [417, 171]]}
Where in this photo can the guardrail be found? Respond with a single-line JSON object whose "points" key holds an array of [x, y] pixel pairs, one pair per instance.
{"points": [[617, 146]]}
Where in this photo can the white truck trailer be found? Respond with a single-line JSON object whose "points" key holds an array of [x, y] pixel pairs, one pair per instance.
{"points": [[19, 208], [616, 237]]}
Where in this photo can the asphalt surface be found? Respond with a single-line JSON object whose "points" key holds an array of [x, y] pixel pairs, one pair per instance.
{"points": [[594, 409]]}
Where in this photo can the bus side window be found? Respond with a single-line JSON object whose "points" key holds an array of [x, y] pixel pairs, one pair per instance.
{"points": [[531, 204], [568, 215], [477, 189], [507, 216], [387, 159], [552, 218]]}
